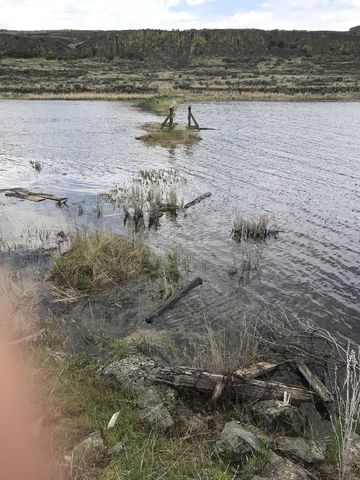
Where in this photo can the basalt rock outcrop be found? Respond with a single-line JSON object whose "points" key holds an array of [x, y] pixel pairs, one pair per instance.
{"points": [[168, 47]]}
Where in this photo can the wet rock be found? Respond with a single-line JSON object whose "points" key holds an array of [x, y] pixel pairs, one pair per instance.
{"points": [[301, 449], [276, 416], [235, 443], [153, 410], [282, 469], [132, 372], [90, 451]]}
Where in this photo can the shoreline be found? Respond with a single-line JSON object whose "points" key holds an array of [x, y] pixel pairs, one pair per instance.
{"points": [[181, 97]]}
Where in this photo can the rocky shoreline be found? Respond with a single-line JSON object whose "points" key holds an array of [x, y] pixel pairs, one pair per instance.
{"points": [[257, 439]]}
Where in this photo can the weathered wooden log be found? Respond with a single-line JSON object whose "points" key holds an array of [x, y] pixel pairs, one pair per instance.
{"points": [[257, 370], [165, 207], [206, 382], [197, 200], [173, 301], [24, 194], [315, 383]]}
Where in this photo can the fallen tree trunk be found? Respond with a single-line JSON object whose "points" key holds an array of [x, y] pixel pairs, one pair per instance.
{"points": [[24, 194], [206, 382], [173, 301], [197, 200]]}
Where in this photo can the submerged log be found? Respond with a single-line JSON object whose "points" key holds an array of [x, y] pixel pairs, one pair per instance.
{"points": [[209, 383], [24, 194], [173, 301], [198, 200]]}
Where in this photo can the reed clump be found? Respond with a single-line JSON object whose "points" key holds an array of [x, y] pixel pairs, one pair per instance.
{"points": [[244, 229], [149, 196], [100, 260]]}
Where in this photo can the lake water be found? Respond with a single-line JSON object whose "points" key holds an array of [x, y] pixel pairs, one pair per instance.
{"points": [[299, 163]]}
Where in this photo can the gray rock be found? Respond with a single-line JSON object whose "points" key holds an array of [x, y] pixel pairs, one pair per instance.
{"points": [[90, 451], [354, 450], [131, 372], [318, 426], [276, 416], [235, 443], [152, 409], [117, 449], [301, 449], [282, 469]]}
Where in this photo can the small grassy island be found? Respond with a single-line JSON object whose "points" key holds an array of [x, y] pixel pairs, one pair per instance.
{"points": [[179, 135]]}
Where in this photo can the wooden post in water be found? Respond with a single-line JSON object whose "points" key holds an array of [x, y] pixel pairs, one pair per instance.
{"points": [[169, 120], [171, 115], [191, 117]]}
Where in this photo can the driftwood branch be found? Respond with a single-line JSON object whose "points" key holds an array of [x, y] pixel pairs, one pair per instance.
{"points": [[173, 301], [198, 200], [24, 194], [315, 383], [255, 371], [211, 383], [30, 338]]}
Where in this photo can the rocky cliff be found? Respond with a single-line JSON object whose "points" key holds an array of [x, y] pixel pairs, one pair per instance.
{"points": [[167, 47]]}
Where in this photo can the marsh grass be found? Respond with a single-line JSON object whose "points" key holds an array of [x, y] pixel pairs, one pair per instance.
{"points": [[150, 194], [101, 260], [220, 351], [166, 137], [160, 104], [244, 229]]}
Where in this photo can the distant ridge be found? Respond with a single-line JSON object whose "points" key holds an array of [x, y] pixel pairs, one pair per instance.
{"points": [[167, 47]]}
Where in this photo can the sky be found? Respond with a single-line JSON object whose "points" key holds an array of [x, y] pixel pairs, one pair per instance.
{"points": [[179, 14]]}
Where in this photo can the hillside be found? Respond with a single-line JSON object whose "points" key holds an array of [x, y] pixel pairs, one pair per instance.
{"points": [[201, 62]]}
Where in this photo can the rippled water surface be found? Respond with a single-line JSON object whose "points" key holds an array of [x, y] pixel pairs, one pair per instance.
{"points": [[297, 162]]}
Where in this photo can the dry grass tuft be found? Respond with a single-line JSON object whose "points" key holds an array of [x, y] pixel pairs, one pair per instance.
{"points": [[244, 229], [19, 301], [220, 351]]}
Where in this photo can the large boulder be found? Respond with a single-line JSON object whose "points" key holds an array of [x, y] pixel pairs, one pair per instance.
{"points": [[276, 416], [131, 372], [282, 469], [152, 409], [134, 373], [302, 450], [236, 444]]}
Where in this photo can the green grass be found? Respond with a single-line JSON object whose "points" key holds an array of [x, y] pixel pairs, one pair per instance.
{"points": [[166, 137], [255, 464], [85, 403], [160, 104], [101, 260]]}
